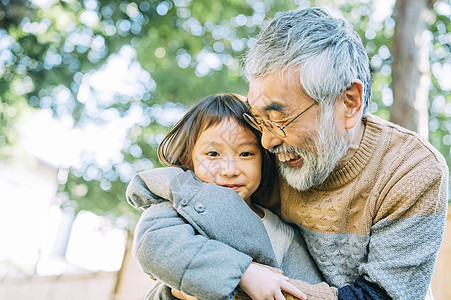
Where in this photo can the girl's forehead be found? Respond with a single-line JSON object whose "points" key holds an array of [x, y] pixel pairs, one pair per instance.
{"points": [[230, 126], [228, 131]]}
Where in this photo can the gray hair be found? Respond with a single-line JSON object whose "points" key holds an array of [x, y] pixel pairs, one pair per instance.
{"points": [[327, 50]]}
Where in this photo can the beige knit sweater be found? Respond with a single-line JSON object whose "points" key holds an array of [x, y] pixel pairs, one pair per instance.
{"points": [[380, 217]]}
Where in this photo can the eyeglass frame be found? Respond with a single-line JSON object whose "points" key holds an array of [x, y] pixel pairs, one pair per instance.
{"points": [[253, 122]]}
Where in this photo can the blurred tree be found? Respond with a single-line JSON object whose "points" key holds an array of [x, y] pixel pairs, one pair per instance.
{"points": [[174, 52], [411, 69]]}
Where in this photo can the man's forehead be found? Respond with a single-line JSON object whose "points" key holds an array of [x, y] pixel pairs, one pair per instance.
{"points": [[263, 103], [277, 91]]}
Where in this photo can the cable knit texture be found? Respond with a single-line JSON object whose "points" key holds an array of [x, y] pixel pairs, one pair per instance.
{"points": [[380, 217]]}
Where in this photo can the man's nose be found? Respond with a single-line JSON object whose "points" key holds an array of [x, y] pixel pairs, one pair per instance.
{"points": [[270, 140]]}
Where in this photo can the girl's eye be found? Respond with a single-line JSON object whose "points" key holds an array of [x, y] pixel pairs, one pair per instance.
{"points": [[246, 154], [212, 153]]}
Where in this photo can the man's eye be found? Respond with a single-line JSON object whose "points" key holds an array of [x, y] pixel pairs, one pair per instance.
{"points": [[212, 153], [279, 118], [257, 119], [246, 154]]}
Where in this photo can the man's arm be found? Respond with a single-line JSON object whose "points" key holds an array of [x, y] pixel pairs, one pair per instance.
{"points": [[407, 231]]}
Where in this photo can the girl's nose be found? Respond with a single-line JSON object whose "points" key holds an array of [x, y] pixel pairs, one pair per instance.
{"points": [[229, 168]]}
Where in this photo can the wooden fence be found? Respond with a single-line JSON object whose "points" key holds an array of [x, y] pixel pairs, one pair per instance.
{"points": [[130, 283]]}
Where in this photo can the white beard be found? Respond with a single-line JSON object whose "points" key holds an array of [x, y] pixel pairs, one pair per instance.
{"points": [[320, 156]]}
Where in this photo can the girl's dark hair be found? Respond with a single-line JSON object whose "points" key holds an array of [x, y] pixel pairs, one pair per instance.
{"points": [[177, 146]]}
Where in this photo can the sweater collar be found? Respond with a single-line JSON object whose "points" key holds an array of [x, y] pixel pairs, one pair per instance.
{"points": [[370, 140]]}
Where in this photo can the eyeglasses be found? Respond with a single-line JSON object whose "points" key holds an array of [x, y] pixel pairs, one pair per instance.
{"points": [[272, 127]]}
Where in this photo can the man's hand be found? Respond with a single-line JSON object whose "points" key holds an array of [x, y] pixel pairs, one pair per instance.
{"points": [[181, 295], [261, 283]]}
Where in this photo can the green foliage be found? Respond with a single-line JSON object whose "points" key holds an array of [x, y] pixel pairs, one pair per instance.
{"points": [[439, 94], [186, 51]]}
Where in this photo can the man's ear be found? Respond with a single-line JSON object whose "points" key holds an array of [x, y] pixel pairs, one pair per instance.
{"points": [[353, 101]]}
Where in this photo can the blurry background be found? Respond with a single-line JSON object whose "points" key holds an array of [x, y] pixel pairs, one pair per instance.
{"points": [[89, 88]]}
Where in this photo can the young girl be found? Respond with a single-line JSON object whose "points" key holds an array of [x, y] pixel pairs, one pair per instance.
{"points": [[202, 241]]}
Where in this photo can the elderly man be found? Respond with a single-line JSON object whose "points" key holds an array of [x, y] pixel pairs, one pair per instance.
{"points": [[369, 196]]}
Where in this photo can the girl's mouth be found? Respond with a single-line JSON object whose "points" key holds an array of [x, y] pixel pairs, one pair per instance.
{"points": [[234, 187]]}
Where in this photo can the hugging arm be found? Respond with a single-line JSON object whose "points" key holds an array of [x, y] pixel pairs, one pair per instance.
{"points": [[202, 213], [169, 249], [406, 234], [214, 212], [202, 241], [405, 237]]}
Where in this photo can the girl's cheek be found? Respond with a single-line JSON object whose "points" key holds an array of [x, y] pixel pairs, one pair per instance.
{"points": [[208, 166]]}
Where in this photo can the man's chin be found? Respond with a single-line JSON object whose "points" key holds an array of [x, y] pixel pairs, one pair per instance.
{"points": [[294, 175], [302, 178]]}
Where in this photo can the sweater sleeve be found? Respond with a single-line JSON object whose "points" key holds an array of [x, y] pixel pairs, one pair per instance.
{"points": [[407, 232], [405, 236]]}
